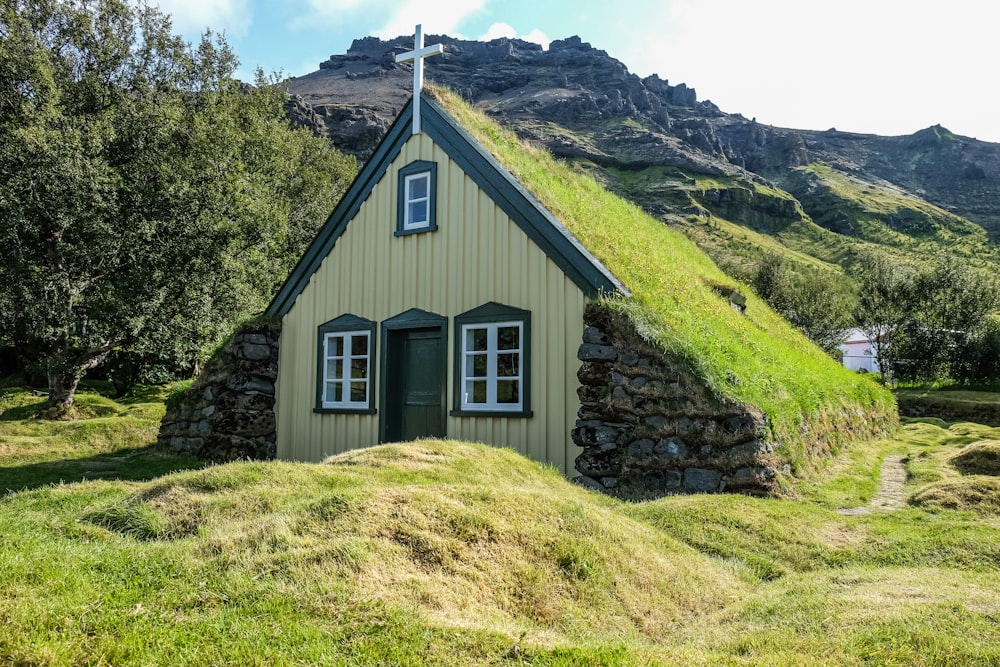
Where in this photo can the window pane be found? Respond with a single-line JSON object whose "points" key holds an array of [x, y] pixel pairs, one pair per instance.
{"points": [[475, 391], [509, 338], [418, 187], [335, 348], [334, 369], [359, 392], [359, 345], [359, 368], [329, 396], [479, 362], [418, 212], [507, 391], [507, 365], [475, 340]]}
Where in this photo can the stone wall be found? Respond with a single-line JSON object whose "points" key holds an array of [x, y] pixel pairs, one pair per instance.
{"points": [[228, 413], [647, 427]]}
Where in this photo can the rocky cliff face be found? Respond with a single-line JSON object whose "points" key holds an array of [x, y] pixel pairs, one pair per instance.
{"points": [[586, 106]]}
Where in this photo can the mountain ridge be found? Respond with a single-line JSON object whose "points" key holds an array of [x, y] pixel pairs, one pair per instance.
{"points": [[587, 108]]}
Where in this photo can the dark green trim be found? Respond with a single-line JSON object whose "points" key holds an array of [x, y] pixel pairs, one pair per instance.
{"points": [[346, 322], [344, 212], [413, 318], [344, 411], [520, 414], [417, 167], [489, 313], [585, 270]]}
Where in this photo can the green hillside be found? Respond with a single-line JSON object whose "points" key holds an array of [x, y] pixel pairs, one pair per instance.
{"points": [[755, 358]]}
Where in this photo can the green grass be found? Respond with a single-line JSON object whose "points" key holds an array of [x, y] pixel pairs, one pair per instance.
{"points": [[449, 553], [954, 404], [754, 359]]}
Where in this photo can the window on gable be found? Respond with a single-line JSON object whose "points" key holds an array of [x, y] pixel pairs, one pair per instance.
{"points": [[492, 362], [416, 211], [346, 350]]}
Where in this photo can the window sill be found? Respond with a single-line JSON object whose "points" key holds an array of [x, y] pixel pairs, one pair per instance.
{"points": [[345, 411], [515, 414], [421, 230]]}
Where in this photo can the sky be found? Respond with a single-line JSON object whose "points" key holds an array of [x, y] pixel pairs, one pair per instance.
{"points": [[889, 67]]}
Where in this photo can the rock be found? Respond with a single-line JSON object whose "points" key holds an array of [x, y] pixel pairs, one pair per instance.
{"points": [[672, 449], [590, 436], [594, 336], [641, 448], [255, 352], [700, 480], [751, 450], [657, 422], [589, 483], [591, 352]]}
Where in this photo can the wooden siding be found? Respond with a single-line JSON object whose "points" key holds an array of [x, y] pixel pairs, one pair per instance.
{"points": [[476, 255]]}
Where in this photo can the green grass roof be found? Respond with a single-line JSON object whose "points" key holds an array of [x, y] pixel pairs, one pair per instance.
{"points": [[755, 358]]}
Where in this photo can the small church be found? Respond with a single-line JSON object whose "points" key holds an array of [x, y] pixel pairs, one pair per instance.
{"points": [[443, 299], [439, 300]]}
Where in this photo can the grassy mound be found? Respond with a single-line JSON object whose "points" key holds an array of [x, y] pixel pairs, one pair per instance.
{"points": [[755, 358], [469, 535], [982, 458], [977, 494]]}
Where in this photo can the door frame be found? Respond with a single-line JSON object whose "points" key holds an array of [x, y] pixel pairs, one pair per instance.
{"points": [[413, 318]]}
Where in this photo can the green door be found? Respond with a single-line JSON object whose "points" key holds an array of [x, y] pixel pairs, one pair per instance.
{"points": [[415, 392]]}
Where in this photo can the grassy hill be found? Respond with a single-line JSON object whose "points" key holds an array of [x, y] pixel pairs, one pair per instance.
{"points": [[752, 358], [445, 553]]}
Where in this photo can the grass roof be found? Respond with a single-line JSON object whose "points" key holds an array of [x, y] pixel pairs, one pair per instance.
{"points": [[755, 358]]}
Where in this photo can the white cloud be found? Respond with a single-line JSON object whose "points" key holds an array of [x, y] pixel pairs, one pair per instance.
{"points": [[191, 17], [498, 30], [536, 36], [888, 67], [438, 19]]}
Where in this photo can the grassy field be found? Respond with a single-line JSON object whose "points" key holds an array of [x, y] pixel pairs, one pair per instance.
{"points": [[981, 407], [444, 553]]}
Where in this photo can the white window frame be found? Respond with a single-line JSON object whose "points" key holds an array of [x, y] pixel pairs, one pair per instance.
{"points": [[491, 379], [408, 224], [346, 380]]}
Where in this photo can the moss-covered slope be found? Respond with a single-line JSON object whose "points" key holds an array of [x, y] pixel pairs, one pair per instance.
{"points": [[755, 358]]}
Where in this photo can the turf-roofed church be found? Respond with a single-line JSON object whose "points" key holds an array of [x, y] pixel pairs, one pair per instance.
{"points": [[469, 286], [440, 299]]}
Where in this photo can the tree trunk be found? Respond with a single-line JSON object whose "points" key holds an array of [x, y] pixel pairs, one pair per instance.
{"points": [[62, 387]]}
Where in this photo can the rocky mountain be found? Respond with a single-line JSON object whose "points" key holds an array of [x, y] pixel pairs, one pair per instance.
{"points": [[734, 184]]}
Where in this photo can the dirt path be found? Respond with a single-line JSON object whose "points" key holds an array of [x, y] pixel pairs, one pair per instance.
{"points": [[890, 494]]}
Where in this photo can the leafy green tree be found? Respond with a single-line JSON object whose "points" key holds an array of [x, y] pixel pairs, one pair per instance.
{"points": [[886, 297], [148, 200], [815, 301], [947, 321]]}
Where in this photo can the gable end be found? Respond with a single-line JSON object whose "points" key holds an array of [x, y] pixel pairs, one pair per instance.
{"points": [[585, 270]]}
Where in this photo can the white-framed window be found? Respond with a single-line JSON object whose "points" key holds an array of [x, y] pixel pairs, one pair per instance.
{"points": [[492, 367], [416, 210], [346, 364], [416, 192]]}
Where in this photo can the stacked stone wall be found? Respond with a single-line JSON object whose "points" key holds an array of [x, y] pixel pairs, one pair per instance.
{"points": [[648, 427], [228, 413]]}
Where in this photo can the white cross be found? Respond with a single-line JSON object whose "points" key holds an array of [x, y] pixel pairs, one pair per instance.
{"points": [[417, 55]]}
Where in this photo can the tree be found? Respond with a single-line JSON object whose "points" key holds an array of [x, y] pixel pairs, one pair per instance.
{"points": [[148, 200], [885, 304], [814, 301], [948, 321]]}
